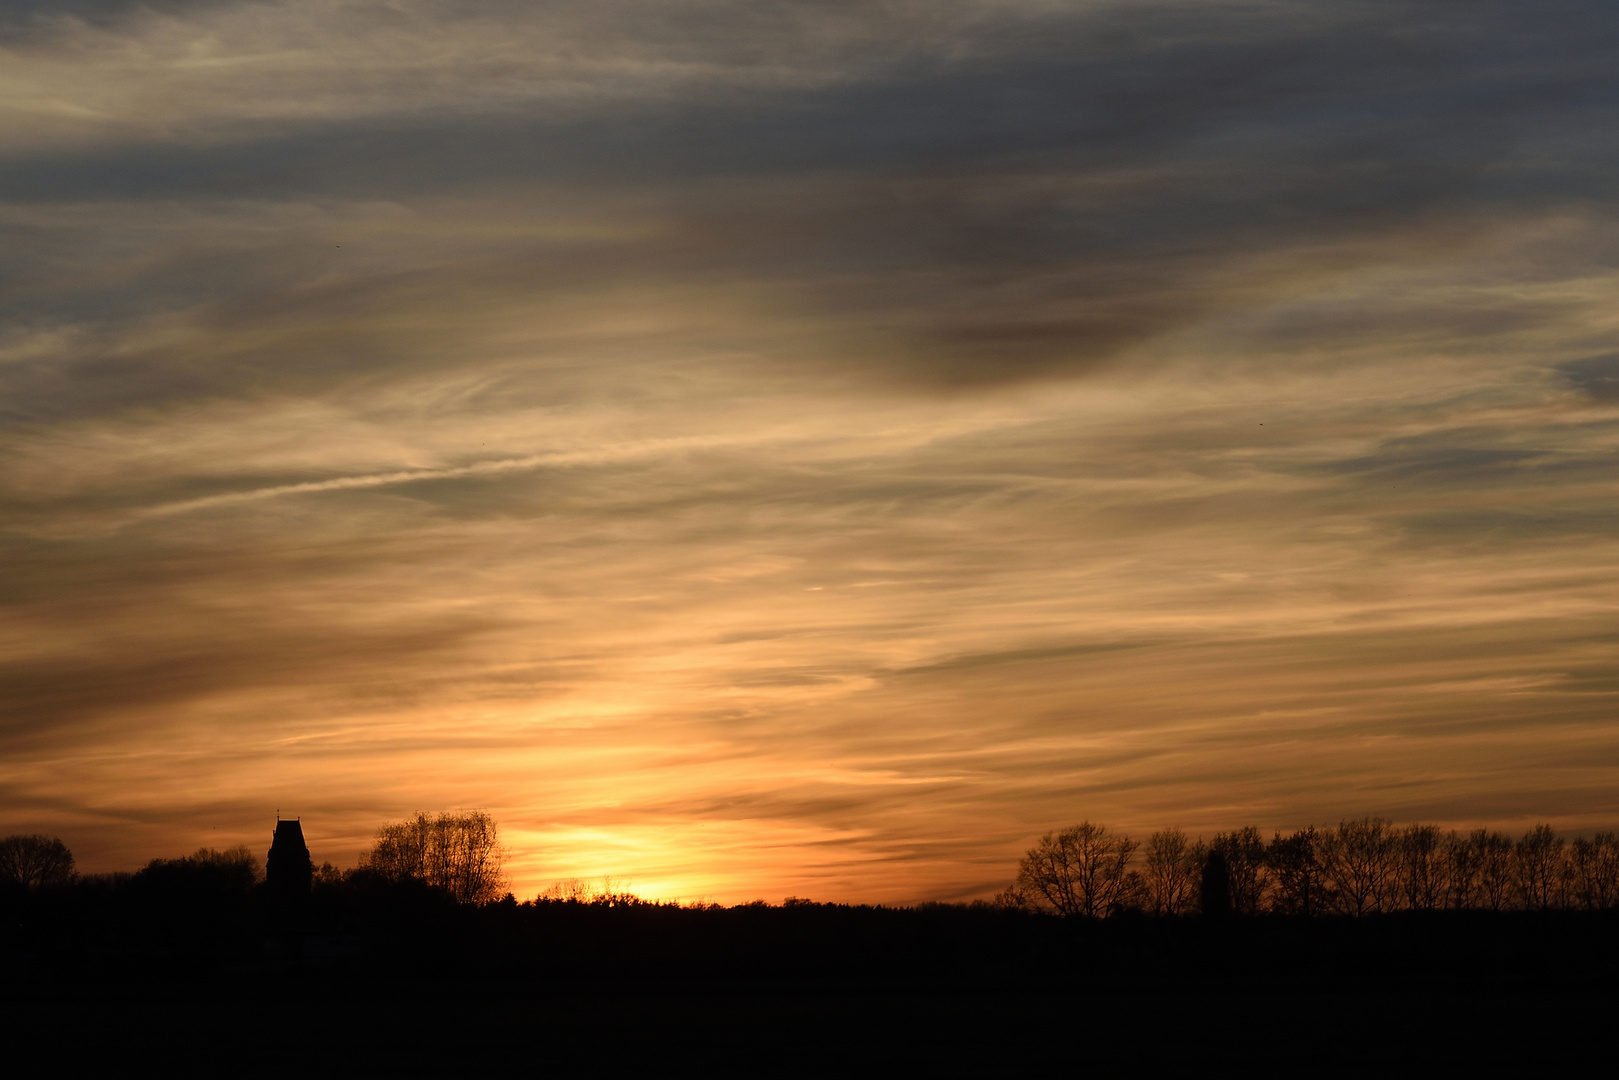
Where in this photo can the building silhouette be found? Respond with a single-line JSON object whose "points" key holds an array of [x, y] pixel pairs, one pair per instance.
{"points": [[288, 869]]}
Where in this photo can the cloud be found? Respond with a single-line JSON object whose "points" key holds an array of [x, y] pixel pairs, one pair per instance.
{"points": [[1014, 194], [802, 448], [1596, 375]]}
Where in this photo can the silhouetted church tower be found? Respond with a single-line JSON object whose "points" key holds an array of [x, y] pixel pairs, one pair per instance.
{"points": [[288, 868]]}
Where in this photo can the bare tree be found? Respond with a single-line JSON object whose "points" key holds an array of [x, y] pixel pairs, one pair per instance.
{"points": [[1496, 880], [1594, 872], [1244, 852], [1170, 880], [1362, 864], [1538, 859], [459, 853], [1080, 870], [1298, 877], [1011, 898], [1607, 846], [1461, 872], [35, 861], [1422, 867], [1132, 895]]}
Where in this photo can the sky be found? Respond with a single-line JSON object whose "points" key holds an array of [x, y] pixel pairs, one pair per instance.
{"points": [[759, 449]]}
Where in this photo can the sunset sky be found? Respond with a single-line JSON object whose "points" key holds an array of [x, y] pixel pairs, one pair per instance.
{"points": [[765, 449]]}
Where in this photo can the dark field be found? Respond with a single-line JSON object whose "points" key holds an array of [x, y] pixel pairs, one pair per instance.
{"points": [[397, 978]]}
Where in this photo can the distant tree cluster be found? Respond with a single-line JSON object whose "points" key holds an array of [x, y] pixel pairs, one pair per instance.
{"points": [[1362, 867], [232, 870], [458, 853], [603, 893]]}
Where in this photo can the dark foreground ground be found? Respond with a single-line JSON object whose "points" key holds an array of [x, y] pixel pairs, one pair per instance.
{"points": [[400, 981], [303, 1028]]}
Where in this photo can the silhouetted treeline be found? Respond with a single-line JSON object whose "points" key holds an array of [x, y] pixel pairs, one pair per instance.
{"points": [[213, 914], [1363, 867], [202, 917]]}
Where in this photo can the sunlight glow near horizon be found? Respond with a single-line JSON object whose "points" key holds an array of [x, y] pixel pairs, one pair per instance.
{"points": [[810, 454]]}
